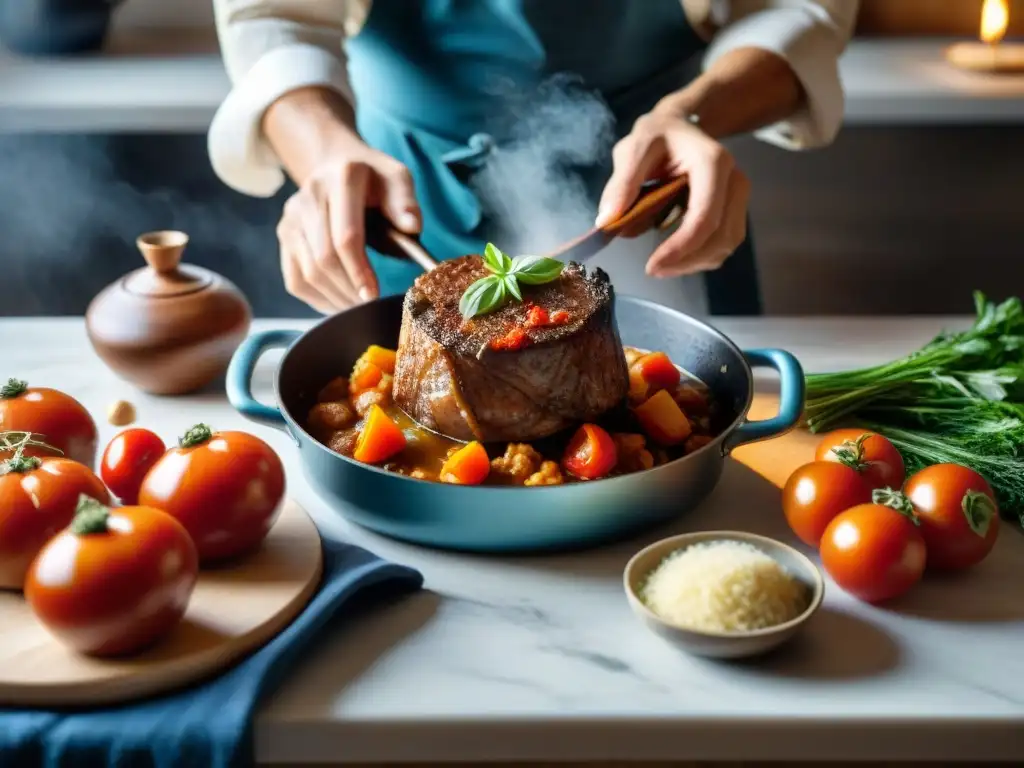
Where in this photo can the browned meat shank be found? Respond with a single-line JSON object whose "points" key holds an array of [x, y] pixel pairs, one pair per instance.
{"points": [[451, 378]]}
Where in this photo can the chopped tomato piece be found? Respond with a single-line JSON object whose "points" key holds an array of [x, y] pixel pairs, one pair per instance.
{"points": [[379, 439], [381, 357], [663, 420], [537, 317], [559, 317], [515, 339], [365, 375], [467, 466], [657, 370], [591, 453]]}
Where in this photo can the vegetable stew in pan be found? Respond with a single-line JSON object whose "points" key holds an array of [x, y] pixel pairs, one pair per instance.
{"points": [[667, 414]]}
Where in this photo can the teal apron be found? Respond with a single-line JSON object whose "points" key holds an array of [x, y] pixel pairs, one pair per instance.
{"points": [[439, 85]]}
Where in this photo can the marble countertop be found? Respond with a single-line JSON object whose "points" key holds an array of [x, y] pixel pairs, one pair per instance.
{"points": [[173, 80], [540, 658]]}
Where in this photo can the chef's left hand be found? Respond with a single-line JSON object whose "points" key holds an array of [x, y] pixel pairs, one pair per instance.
{"points": [[664, 144]]}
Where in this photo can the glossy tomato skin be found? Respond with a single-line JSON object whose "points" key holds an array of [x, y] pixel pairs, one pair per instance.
{"points": [[873, 552], [127, 459], [816, 493], [591, 453], [937, 493], [226, 491], [115, 593], [56, 418], [34, 506], [884, 464]]}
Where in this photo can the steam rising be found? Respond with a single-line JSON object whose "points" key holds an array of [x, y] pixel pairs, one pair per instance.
{"points": [[533, 184], [74, 205]]}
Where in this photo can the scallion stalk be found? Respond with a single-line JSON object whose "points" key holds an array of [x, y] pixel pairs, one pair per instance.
{"points": [[958, 399]]}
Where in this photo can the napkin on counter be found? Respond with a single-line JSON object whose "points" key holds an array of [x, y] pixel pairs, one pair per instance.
{"points": [[209, 725]]}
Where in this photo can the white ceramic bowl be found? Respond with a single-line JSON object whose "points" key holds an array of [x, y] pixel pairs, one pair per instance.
{"points": [[722, 645]]}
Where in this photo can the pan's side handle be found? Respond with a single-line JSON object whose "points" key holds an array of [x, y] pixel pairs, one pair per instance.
{"points": [[239, 376], [791, 398]]}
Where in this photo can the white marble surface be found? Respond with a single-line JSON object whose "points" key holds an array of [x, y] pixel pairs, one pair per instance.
{"points": [[540, 658], [170, 78]]}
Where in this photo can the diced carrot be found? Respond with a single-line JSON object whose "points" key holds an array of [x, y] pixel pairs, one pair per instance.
{"points": [[559, 317], [638, 386], [467, 466], [663, 420], [591, 453], [365, 375], [379, 439], [657, 370], [381, 357]]}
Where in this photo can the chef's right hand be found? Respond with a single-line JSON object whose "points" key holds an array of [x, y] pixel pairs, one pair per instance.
{"points": [[321, 232]]}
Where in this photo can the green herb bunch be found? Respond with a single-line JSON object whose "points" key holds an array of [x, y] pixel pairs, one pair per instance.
{"points": [[489, 293], [958, 399]]}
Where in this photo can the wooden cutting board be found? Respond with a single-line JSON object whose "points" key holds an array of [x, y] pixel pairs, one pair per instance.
{"points": [[233, 612], [776, 459]]}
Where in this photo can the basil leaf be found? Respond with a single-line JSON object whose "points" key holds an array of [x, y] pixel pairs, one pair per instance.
{"points": [[483, 296], [495, 260], [512, 286], [536, 270]]}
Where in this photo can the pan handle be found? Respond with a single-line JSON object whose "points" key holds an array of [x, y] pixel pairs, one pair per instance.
{"points": [[382, 236], [791, 398], [239, 376]]}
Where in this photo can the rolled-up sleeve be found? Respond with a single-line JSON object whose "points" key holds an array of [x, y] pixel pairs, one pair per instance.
{"points": [[270, 47], [811, 36]]}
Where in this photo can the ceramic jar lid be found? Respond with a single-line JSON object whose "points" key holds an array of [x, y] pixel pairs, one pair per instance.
{"points": [[169, 328], [165, 275]]}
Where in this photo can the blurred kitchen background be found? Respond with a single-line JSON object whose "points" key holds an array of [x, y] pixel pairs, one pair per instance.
{"points": [[919, 201]]}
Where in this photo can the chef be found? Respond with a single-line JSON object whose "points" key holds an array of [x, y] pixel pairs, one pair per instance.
{"points": [[430, 76]]}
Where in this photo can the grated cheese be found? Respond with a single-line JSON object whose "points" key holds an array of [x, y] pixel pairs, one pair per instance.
{"points": [[723, 586]]}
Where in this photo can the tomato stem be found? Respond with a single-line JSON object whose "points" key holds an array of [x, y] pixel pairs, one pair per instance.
{"points": [[980, 510], [896, 501], [198, 435], [18, 441], [91, 517], [13, 388], [851, 453]]}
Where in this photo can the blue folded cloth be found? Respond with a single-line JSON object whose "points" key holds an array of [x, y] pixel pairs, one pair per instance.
{"points": [[209, 725]]}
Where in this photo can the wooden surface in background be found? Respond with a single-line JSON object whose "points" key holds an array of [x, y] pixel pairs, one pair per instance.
{"points": [[929, 17]]}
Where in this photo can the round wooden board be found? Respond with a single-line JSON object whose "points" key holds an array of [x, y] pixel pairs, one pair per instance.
{"points": [[233, 612]]}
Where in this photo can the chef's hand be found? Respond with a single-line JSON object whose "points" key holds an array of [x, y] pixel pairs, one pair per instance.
{"points": [[665, 144], [321, 232]]}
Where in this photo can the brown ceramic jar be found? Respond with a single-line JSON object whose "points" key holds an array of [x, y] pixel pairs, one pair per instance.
{"points": [[169, 328]]}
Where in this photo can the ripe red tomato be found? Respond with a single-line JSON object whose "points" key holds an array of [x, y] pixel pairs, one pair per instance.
{"points": [[127, 459], [53, 417], [115, 581], [591, 453], [816, 493], [874, 552], [870, 454], [958, 513], [226, 488], [37, 499]]}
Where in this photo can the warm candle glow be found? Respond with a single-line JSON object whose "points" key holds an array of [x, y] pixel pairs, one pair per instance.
{"points": [[995, 18]]}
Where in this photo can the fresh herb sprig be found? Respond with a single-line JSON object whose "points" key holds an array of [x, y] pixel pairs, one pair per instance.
{"points": [[958, 399], [489, 293]]}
